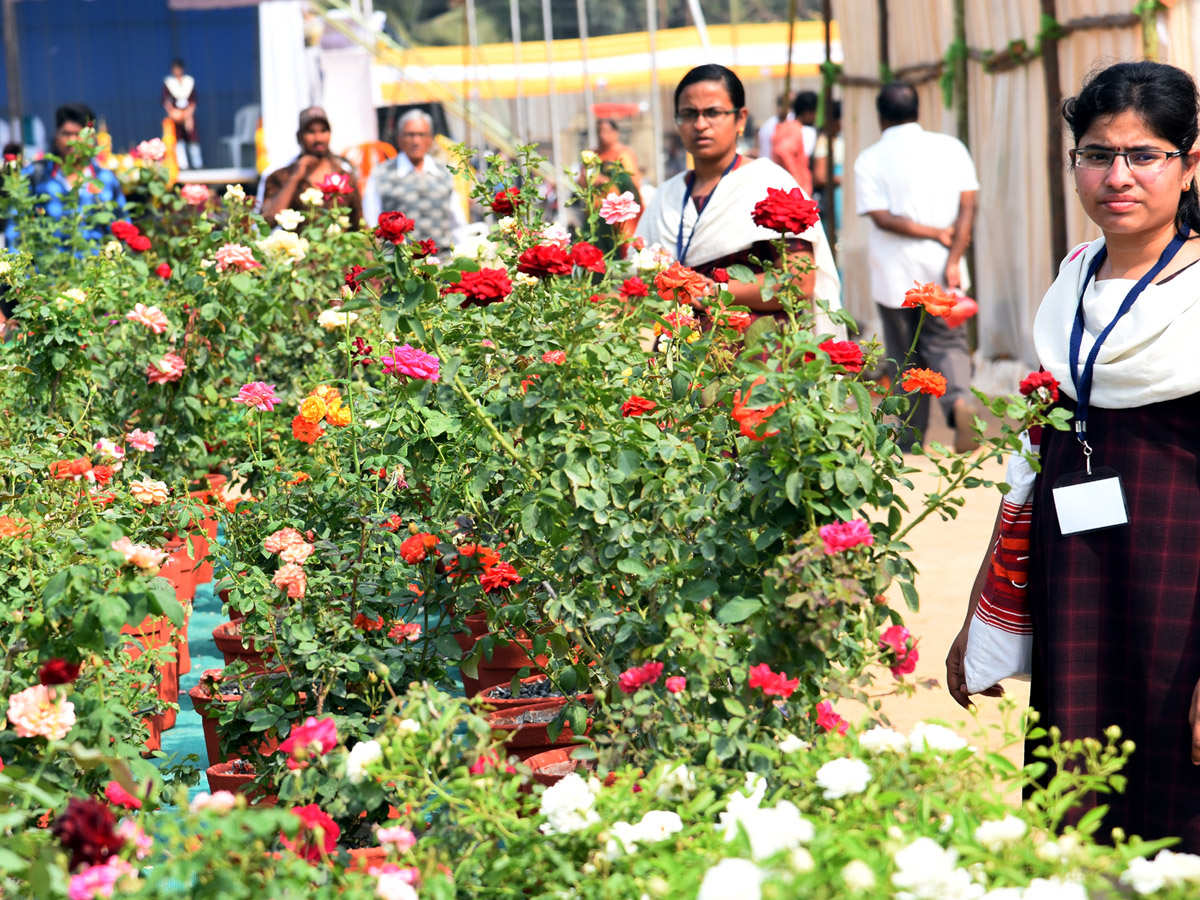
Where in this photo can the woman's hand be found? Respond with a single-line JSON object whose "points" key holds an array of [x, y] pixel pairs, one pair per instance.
{"points": [[956, 677], [1194, 721]]}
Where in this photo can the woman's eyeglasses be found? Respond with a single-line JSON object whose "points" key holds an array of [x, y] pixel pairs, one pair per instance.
{"points": [[1140, 160], [692, 116]]}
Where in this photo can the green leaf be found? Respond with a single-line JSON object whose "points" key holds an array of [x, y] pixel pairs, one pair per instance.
{"points": [[734, 707], [448, 647], [632, 566], [741, 273], [909, 590], [739, 609], [758, 331]]}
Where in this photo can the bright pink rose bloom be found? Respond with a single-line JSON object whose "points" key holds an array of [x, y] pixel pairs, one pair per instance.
{"points": [[258, 394], [335, 184], [619, 208], [554, 357], [144, 441], [676, 684], [414, 363], [315, 737], [292, 577], [98, 881], [828, 719], [236, 256], [170, 368], [131, 832], [399, 836], [153, 150], [843, 535], [150, 316], [318, 833], [772, 683], [900, 641], [194, 194], [36, 712], [639, 676], [121, 797]]}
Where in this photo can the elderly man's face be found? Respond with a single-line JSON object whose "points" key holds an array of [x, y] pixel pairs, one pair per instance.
{"points": [[416, 138]]}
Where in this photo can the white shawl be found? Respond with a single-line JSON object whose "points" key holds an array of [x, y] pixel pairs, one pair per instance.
{"points": [[1149, 357], [726, 226], [180, 88]]}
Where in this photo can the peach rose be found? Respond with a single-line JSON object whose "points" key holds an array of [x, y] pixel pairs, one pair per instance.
{"points": [[37, 713], [152, 493], [292, 577], [145, 558]]}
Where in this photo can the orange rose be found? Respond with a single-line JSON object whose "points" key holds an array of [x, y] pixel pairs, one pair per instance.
{"points": [[680, 283], [304, 430], [312, 409], [926, 381], [936, 301], [10, 527], [338, 416], [751, 420], [326, 393]]}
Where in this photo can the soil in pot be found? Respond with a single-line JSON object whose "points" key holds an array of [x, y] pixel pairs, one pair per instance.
{"points": [[208, 707], [524, 730], [237, 776], [532, 690], [507, 661]]}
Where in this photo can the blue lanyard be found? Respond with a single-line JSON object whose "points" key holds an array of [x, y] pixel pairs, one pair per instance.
{"points": [[681, 248], [1083, 379]]}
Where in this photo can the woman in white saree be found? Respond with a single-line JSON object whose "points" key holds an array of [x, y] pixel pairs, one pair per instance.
{"points": [[703, 216]]}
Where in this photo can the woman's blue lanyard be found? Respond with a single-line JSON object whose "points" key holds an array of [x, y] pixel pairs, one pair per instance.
{"points": [[1082, 379], [681, 248]]}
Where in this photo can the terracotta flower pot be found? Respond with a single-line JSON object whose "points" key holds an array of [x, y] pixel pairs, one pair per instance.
{"points": [[507, 661], [222, 778], [363, 858], [180, 569], [501, 704], [150, 634], [524, 730], [552, 766], [208, 707], [228, 638]]}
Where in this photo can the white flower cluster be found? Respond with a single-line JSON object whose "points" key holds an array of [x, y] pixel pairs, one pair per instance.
{"points": [[930, 738], [881, 740], [656, 825], [771, 830], [333, 319], [289, 219], [567, 805], [926, 871], [1040, 889], [312, 197], [732, 879], [651, 259], [792, 744], [842, 777], [362, 754], [1167, 869], [283, 246], [676, 781], [995, 835], [478, 248]]}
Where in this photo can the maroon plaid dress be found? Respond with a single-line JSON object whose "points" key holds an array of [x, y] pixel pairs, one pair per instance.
{"points": [[1116, 613]]}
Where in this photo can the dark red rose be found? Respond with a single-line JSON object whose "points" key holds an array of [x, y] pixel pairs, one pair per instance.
{"points": [[124, 230], [336, 184], [351, 278], [635, 287], [720, 276], [422, 249], [788, 212], [163, 271], [481, 288], [1043, 385], [58, 671], [139, 242], [363, 351], [393, 226], [544, 259], [506, 201], [85, 829], [846, 354], [588, 257]]}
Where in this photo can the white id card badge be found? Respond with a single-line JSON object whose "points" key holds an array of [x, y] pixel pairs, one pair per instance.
{"points": [[1090, 502]]}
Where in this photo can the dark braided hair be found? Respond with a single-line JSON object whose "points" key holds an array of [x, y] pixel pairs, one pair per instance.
{"points": [[1163, 96]]}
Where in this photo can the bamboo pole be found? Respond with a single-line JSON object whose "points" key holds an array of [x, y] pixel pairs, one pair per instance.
{"points": [[476, 94], [885, 54], [655, 91], [829, 188], [514, 13], [560, 187], [12, 60], [787, 78], [1054, 164], [589, 117]]}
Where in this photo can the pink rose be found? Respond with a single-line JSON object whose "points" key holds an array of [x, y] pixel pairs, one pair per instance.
{"points": [[259, 395], [400, 836], [170, 368], [829, 720], [236, 256], [153, 150], [150, 316], [842, 536], [291, 577], [900, 641], [117, 795], [194, 194], [145, 558], [676, 684], [221, 801], [412, 362], [144, 441], [619, 208], [315, 737], [99, 880], [110, 449], [37, 713]]}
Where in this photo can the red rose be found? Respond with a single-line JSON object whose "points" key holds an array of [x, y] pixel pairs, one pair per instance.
{"points": [[86, 830], [124, 230], [634, 287], [788, 212], [588, 257], [545, 259], [639, 676], [163, 271], [417, 547], [828, 719], [506, 201], [351, 278], [481, 288], [1042, 385], [636, 406], [422, 249], [318, 833], [58, 671], [498, 576], [139, 242], [772, 683], [720, 276], [393, 226], [846, 354], [900, 641]]}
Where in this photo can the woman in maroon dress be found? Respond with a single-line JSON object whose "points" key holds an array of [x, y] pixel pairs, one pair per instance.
{"points": [[1116, 617]]}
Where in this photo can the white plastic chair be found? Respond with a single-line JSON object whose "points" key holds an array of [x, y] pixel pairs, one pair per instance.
{"points": [[245, 123]]}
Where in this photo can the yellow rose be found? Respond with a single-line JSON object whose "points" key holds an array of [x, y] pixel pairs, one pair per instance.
{"points": [[338, 416], [326, 393], [312, 409]]}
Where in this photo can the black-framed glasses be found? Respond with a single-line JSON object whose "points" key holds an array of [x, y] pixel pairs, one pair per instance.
{"points": [[414, 134], [712, 114], [1141, 160]]}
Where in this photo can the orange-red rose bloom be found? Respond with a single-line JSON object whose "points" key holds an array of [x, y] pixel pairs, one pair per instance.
{"points": [[788, 212], [926, 381], [936, 301], [751, 420], [304, 430], [636, 406], [678, 282], [417, 547]]}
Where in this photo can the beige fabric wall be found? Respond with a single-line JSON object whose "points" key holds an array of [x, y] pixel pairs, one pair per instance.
{"points": [[1007, 137]]}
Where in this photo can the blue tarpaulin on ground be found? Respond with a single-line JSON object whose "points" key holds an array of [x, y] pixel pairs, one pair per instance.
{"points": [[113, 54]]}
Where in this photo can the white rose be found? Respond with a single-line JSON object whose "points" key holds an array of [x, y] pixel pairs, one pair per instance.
{"points": [[408, 726], [362, 754], [883, 740], [925, 871], [676, 781], [394, 886], [234, 192], [567, 806], [926, 736], [289, 219], [732, 879], [841, 777], [792, 744], [555, 233], [284, 246], [771, 831], [333, 319], [1054, 889], [997, 834], [312, 197], [858, 876], [333, 230], [1008, 893]]}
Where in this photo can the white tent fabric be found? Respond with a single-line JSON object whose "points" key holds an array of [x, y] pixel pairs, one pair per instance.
{"points": [[284, 77]]}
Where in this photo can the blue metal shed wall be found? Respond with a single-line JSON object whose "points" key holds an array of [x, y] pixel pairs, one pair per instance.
{"points": [[113, 54]]}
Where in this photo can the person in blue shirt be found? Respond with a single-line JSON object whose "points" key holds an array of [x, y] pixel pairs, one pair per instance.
{"points": [[51, 182]]}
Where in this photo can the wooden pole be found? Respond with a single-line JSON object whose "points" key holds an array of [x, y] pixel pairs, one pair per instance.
{"points": [[476, 94], [560, 187], [12, 60], [1149, 14], [589, 117], [655, 92], [885, 55], [1054, 149], [787, 78], [829, 188], [514, 13]]}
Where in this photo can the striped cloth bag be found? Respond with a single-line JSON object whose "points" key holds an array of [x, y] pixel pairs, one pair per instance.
{"points": [[1000, 640]]}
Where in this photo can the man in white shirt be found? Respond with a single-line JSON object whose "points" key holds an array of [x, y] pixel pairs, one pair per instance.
{"points": [[415, 184], [918, 188]]}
